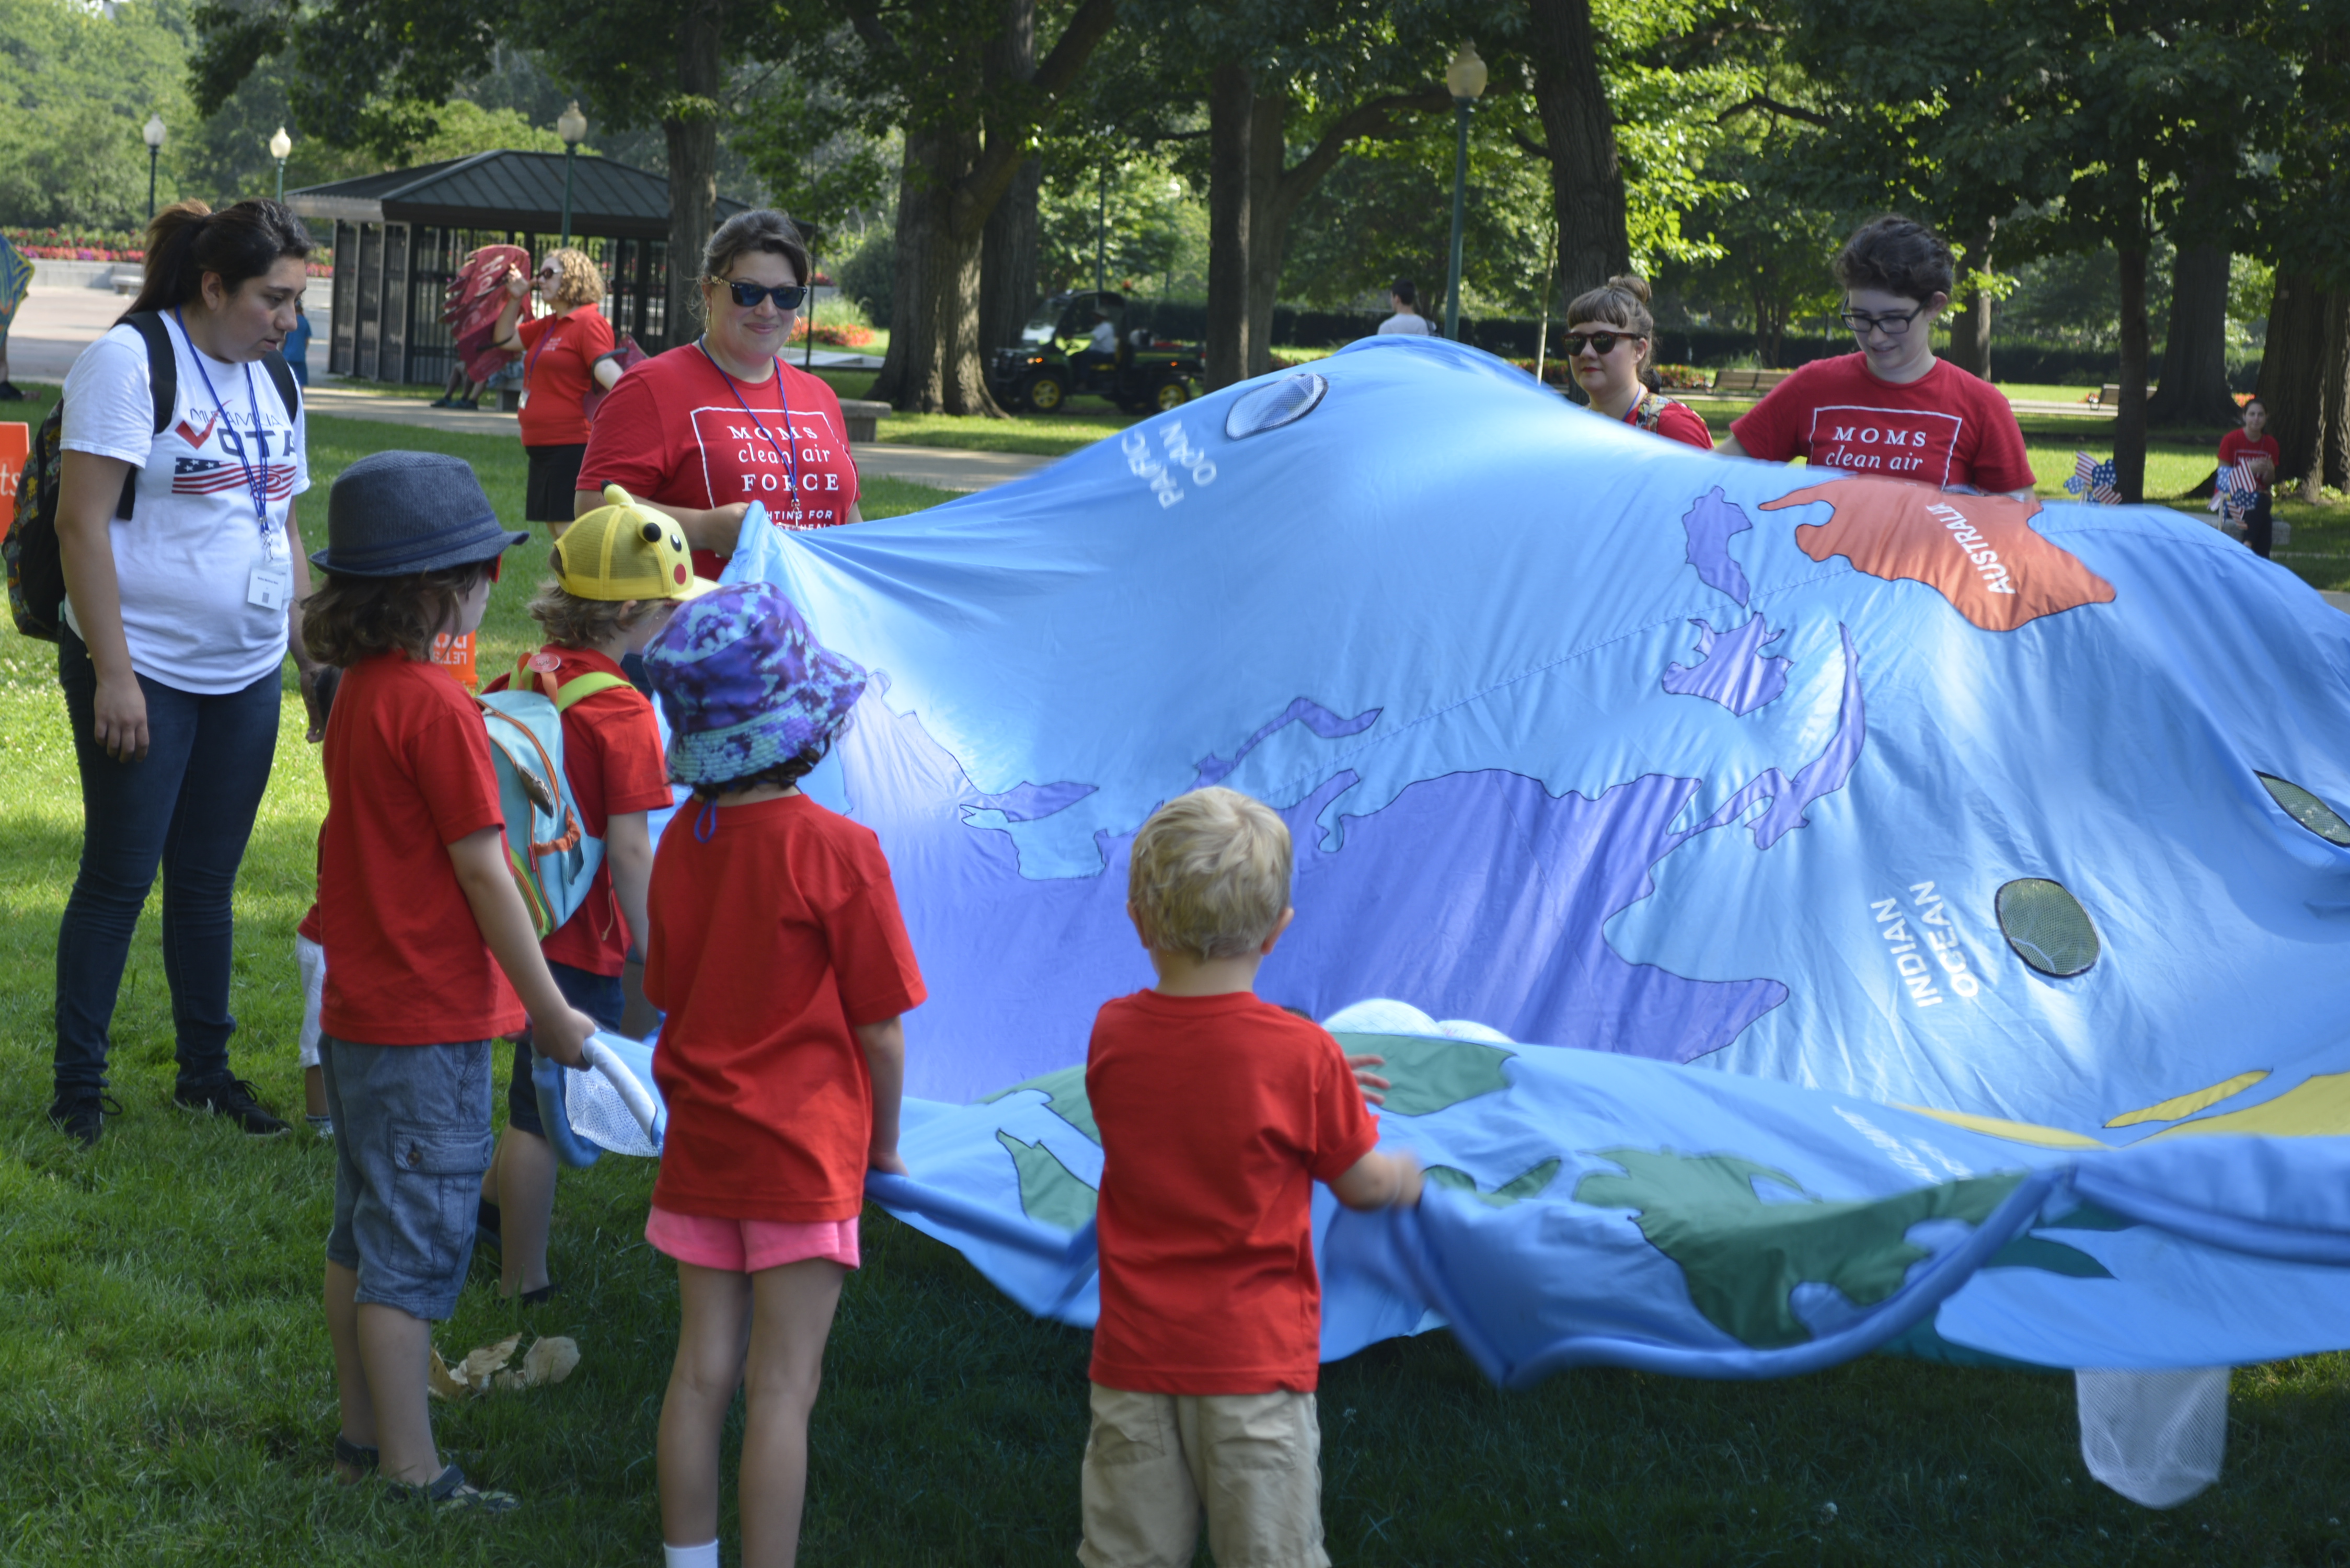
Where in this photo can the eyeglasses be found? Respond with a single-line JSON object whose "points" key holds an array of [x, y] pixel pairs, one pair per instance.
{"points": [[550, 272], [786, 295], [1601, 343], [1862, 323]]}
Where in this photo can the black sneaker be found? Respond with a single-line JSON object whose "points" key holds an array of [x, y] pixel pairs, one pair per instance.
{"points": [[82, 1117], [232, 1098], [11, 393]]}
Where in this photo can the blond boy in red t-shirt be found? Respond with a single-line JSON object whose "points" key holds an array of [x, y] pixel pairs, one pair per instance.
{"points": [[1218, 1112]]}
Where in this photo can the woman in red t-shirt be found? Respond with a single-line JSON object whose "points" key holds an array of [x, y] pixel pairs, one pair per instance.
{"points": [[2257, 450], [1892, 409], [702, 431], [561, 354], [1608, 331]]}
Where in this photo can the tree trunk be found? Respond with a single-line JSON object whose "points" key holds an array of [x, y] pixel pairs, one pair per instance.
{"points": [[1232, 105], [1970, 327], [2292, 372], [2194, 389], [1007, 252], [2130, 426], [2334, 396], [941, 372], [1268, 150], [691, 127], [912, 244], [1586, 177]]}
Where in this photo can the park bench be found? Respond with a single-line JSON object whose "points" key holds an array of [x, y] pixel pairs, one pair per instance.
{"points": [[863, 420], [2111, 393], [1756, 382]]}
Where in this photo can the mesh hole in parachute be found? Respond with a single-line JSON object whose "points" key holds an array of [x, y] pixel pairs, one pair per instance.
{"points": [[1285, 402], [597, 1114], [2308, 810], [2047, 926]]}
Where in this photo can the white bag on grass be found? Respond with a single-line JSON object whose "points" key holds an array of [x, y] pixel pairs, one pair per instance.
{"points": [[2156, 1438]]}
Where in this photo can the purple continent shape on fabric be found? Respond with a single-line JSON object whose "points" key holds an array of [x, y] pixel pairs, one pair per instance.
{"points": [[1383, 908], [1711, 523], [1731, 668]]}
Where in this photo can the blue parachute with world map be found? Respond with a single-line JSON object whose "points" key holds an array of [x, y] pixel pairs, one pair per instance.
{"points": [[1803, 913]]}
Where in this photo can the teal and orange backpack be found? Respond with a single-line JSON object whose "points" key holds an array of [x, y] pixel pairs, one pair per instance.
{"points": [[549, 849]]}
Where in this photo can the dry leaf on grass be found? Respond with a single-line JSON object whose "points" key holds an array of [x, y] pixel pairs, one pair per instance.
{"points": [[548, 1360]]}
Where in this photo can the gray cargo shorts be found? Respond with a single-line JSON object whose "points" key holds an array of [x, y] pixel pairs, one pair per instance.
{"points": [[411, 1139]]}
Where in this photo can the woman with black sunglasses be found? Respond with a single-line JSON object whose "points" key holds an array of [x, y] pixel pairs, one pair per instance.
{"points": [[1608, 331], [1893, 409], [718, 422]]}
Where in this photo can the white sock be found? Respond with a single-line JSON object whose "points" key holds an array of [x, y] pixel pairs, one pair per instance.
{"points": [[702, 1556]]}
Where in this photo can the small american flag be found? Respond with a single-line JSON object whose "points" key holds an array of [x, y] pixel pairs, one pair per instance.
{"points": [[2093, 481], [209, 476], [2237, 489]]}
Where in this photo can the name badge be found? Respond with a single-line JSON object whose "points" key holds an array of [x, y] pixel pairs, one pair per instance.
{"points": [[523, 402], [270, 587]]}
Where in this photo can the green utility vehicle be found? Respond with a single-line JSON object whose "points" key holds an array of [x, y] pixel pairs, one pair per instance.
{"points": [[1055, 360]]}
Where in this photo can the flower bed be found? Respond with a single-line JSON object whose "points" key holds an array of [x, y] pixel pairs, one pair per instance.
{"points": [[833, 337], [98, 245]]}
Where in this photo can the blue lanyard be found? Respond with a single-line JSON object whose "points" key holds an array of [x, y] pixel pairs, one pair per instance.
{"points": [[256, 483], [789, 459], [529, 363]]}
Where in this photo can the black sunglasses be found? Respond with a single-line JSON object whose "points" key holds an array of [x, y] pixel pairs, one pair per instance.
{"points": [[786, 295], [1605, 342]]}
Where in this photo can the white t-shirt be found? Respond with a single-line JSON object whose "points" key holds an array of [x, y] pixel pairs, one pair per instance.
{"points": [[1411, 322], [1104, 338], [192, 560]]}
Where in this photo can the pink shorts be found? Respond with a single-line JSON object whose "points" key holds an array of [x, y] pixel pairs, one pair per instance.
{"points": [[747, 1246]]}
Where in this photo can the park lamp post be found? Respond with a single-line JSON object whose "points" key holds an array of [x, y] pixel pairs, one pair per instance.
{"points": [[154, 135], [280, 146], [570, 125], [1465, 79]]}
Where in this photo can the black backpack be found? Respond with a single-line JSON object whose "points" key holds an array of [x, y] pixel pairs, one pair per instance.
{"points": [[36, 576]]}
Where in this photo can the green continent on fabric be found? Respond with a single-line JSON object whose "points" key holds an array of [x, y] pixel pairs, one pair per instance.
{"points": [[1743, 1257], [1429, 1075], [1050, 1193], [1517, 1189], [1065, 1088]]}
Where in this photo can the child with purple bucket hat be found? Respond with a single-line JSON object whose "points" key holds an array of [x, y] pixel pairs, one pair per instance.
{"points": [[781, 1057]]}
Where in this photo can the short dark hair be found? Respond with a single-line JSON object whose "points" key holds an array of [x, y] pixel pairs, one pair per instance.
{"points": [[788, 771], [351, 619], [1402, 289], [1622, 301], [188, 239], [760, 228], [1897, 255]]}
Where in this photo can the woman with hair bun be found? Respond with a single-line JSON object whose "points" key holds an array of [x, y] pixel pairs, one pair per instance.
{"points": [[562, 354], [1608, 333], [1893, 409], [184, 576], [712, 425]]}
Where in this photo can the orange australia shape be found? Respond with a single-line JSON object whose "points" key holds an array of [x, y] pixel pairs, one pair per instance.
{"points": [[1979, 552]]}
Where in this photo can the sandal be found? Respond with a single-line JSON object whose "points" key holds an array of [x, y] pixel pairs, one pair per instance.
{"points": [[450, 1492], [356, 1457]]}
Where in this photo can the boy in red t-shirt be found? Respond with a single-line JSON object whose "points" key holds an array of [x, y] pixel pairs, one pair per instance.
{"points": [[778, 950], [1894, 408], [618, 573], [430, 952], [2259, 450], [1218, 1112]]}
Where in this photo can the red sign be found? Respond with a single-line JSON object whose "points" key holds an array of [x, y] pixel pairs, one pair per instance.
{"points": [[15, 441]]}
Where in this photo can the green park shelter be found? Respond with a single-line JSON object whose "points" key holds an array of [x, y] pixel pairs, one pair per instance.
{"points": [[400, 236]]}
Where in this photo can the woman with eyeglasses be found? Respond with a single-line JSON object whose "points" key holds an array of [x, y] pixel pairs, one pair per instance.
{"points": [[1608, 330], [562, 357], [721, 422], [1893, 409]]}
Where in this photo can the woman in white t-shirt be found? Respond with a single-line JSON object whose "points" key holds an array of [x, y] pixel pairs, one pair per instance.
{"points": [[184, 571]]}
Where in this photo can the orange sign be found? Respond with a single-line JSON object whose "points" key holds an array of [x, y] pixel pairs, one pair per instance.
{"points": [[456, 655], [15, 441]]}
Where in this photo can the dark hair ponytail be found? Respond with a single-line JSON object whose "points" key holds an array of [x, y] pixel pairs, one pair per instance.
{"points": [[188, 239]]}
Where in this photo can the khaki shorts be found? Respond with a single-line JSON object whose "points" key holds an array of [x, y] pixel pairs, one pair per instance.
{"points": [[1153, 1461]]}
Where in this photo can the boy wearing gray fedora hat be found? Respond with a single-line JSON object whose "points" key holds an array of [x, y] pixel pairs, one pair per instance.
{"points": [[430, 954]]}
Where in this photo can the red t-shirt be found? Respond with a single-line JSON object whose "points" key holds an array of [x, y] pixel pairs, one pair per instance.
{"points": [[613, 755], [1217, 1115], [2235, 446], [1676, 421], [1946, 428], [558, 353], [770, 941], [673, 432], [408, 773]]}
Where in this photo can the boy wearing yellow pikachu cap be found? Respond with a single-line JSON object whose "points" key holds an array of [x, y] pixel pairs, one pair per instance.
{"points": [[619, 572]]}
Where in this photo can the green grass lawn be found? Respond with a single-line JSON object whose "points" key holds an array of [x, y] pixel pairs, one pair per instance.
{"points": [[166, 1393]]}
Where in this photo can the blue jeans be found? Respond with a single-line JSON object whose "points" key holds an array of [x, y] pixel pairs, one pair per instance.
{"points": [[187, 807], [411, 1139]]}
